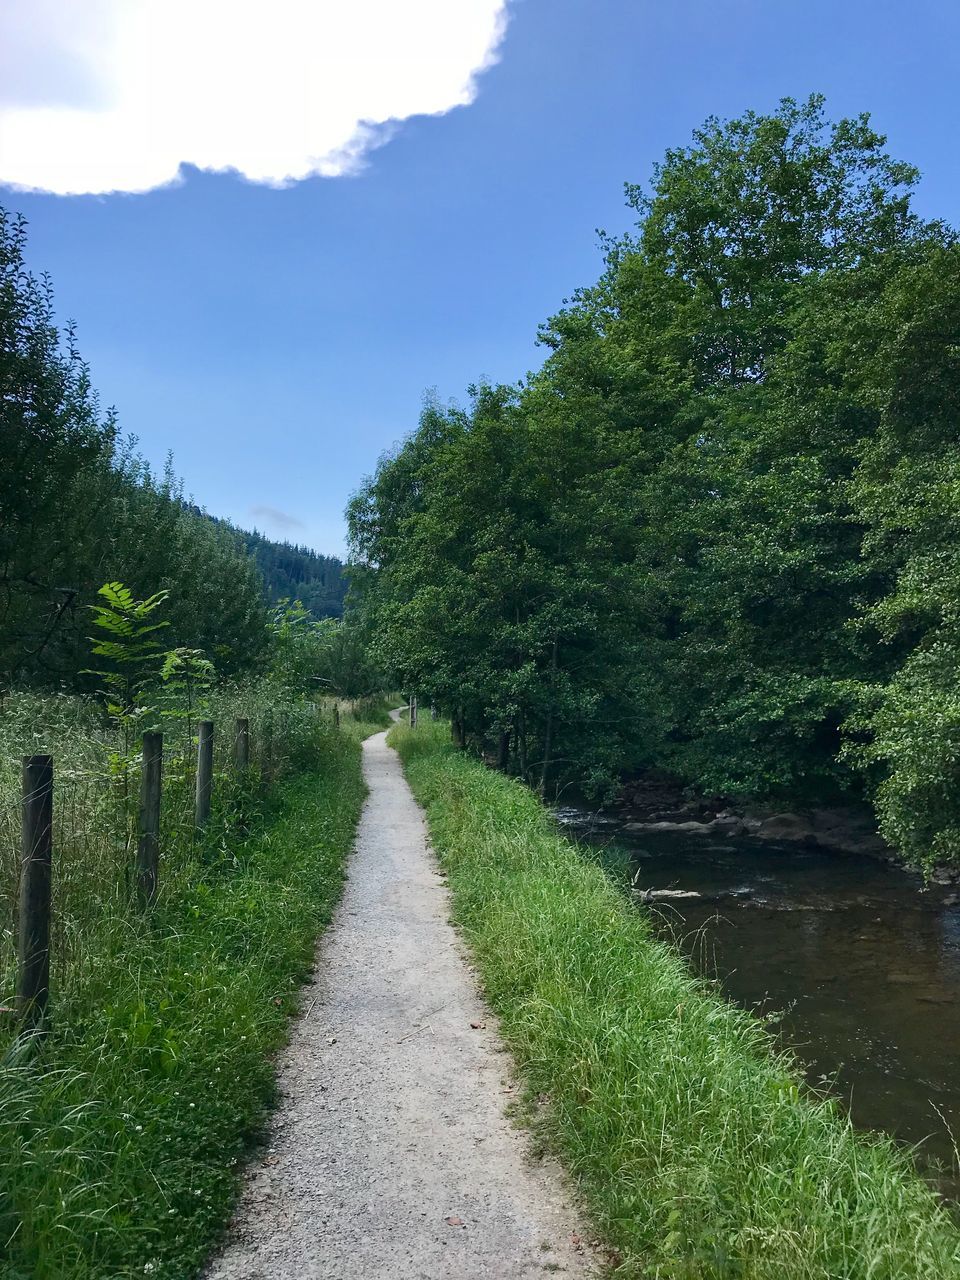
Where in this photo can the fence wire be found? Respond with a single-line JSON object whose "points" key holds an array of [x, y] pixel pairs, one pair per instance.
{"points": [[96, 801]]}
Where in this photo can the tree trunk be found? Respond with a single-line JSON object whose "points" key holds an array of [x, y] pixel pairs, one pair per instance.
{"points": [[458, 729], [548, 735], [547, 742], [522, 746]]}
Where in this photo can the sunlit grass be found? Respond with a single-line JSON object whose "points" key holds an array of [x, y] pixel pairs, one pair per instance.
{"points": [[698, 1150], [122, 1135]]}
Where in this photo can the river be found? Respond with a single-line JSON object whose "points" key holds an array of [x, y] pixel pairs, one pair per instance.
{"points": [[859, 964]]}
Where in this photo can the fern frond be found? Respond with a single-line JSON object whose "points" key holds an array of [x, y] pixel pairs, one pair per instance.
{"points": [[117, 595]]}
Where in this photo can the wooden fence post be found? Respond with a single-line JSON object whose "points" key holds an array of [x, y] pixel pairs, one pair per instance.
{"points": [[148, 837], [204, 773], [241, 745], [266, 757], [336, 715], [413, 711], [33, 925]]}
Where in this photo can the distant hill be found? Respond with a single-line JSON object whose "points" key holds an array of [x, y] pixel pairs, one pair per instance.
{"points": [[289, 571], [298, 573]]}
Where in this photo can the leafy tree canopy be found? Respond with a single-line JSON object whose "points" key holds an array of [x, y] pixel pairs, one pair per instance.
{"points": [[715, 532]]}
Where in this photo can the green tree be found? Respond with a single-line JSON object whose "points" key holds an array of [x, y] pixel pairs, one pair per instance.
{"points": [[907, 490], [715, 532], [78, 507]]}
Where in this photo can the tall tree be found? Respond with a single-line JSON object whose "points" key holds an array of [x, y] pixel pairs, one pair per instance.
{"points": [[715, 532]]}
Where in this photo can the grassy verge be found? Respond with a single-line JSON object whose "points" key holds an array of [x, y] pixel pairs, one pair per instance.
{"points": [[696, 1146], [121, 1139]]}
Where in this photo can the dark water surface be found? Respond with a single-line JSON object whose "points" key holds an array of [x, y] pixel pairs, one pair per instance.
{"points": [[862, 963]]}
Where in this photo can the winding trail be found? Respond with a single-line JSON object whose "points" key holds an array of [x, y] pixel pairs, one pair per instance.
{"points": [[391, 1157]]}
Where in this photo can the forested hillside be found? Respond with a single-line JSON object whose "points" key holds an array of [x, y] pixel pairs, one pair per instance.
{"points": [[718, 532], [293, 572], [79, 508]]}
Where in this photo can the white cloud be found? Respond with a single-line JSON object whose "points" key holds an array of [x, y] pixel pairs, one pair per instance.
{"points": [[115, 95]]}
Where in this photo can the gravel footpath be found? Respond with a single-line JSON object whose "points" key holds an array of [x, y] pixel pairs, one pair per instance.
{"points": [[390, 1156]]}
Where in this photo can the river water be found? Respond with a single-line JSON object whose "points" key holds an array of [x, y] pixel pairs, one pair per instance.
{"points": [[861, 964]]}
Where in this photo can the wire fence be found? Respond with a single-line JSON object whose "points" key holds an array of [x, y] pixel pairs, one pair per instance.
{"points": [[72, 873]]}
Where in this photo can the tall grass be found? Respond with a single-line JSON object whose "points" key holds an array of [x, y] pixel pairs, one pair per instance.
{"points": [[695, 1144], [121, 1135], [95, 808]]}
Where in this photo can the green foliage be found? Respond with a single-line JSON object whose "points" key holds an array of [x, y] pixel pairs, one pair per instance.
{"points": [[908, 487], [740, 218], [123, 1138], [346, 667], [698, 1149], [78, 508], [716, 532], [293, 572], [188, 675], [910, 728], [485, 600], [314, 658], [124, 1132], [294, 648], [125, 637]]}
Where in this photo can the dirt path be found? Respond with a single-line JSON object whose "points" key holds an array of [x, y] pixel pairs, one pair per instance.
{"points": [[391, 1157]]}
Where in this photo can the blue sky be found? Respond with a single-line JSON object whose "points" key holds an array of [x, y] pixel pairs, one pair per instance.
{"points": [[278, 340]]}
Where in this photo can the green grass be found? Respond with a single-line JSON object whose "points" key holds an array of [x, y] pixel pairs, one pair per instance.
{"points": [[699, 1152], [96, 789], [122, 1137]]}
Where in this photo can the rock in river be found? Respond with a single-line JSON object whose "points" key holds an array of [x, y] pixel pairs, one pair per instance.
{"points": [[786, 826]]}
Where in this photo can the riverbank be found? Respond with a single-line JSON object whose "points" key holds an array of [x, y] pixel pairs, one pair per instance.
{"points": [[854, 962], [698, 1148], [124, 1132], [658, 802]]}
